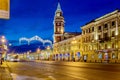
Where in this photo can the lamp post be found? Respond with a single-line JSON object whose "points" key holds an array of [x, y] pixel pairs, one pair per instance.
{"points": [[74, 49], [116, 47], [38, 51], [3, 40], [96, 43], [116, 40], [48, 52]]}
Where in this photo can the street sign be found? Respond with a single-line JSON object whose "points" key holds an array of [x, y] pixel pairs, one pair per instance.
{"points": [[4, 9]]}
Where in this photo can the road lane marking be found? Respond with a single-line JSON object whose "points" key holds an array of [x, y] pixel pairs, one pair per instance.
{"points": [[20, 77], [74, 76], [51, 77]]}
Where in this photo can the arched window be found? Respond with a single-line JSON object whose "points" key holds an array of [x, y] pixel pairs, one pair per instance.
{"points": [[99, 47], [113, 45], [105, 46]]}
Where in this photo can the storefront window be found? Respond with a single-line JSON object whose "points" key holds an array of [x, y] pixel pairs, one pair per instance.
{"points": [[100, 55], [106, 56], [56, 56], [85, 57], [113, 56], [78, 54], [60, 55]]}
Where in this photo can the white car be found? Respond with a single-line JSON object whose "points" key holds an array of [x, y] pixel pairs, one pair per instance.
{"points": [[14, 60]]}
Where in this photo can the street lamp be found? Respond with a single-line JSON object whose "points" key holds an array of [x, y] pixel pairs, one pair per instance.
{"points": [[48, 52], [74, 48], [3, 40], [116, 46], [48, 47], [116, 35], [10, 44], [38, 51]]}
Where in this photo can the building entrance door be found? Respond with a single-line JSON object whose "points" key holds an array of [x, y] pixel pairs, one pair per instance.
{"points": [[56, 56], [61, 57], [106, 56], [68, 55], [78, 56]]}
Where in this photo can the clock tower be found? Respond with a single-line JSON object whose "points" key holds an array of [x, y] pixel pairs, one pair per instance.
{"points": [[58, 24]]}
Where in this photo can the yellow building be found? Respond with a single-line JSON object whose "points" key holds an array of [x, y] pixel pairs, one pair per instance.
{"points": [[99, 41], [68, 49], [4, 9], [101, 38]]}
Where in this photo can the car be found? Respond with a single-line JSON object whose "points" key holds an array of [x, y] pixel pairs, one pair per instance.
{"points": [[14, 60]]}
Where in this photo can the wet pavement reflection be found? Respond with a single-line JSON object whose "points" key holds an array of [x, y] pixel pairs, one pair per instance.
{"points": [[45, 71]]}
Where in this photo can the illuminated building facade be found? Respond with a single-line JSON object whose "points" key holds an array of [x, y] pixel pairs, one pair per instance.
{"points": [[99, 41], [4, 9], [101, 38]]}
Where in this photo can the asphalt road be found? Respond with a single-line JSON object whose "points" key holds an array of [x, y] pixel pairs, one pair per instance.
{"points": [[64, 71]]}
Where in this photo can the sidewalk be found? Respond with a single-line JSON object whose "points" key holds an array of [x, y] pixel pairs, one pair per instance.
{"points": [[4, 72]]}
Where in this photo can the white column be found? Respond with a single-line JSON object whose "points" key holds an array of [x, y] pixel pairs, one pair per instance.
{"points": [[102, 27], [109, 30], [96, 33], [116, 30]]}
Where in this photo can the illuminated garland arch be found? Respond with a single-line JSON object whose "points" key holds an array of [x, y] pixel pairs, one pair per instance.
{"points": [[34, 38]]}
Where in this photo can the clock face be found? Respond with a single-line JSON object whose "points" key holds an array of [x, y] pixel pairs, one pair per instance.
{"points": [[58, 14]]}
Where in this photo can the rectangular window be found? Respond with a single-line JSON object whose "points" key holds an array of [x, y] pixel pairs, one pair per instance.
{"points": [[105, 46], [58, 24], [99, 36], [113, 23], [86, 39], [92, 29], [112, 45], [89, 30], [86, 30], [113, 34], [83, 39], [99, 47], [105, 35], [99, 28], [83, 32], [90, 37], [93, 37], [105, 26]]}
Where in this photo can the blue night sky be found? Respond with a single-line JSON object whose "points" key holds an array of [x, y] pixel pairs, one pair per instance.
{"points": [[35, 17]]}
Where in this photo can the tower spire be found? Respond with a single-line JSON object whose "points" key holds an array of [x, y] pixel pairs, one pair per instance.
{"points": [[58, 7]]}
